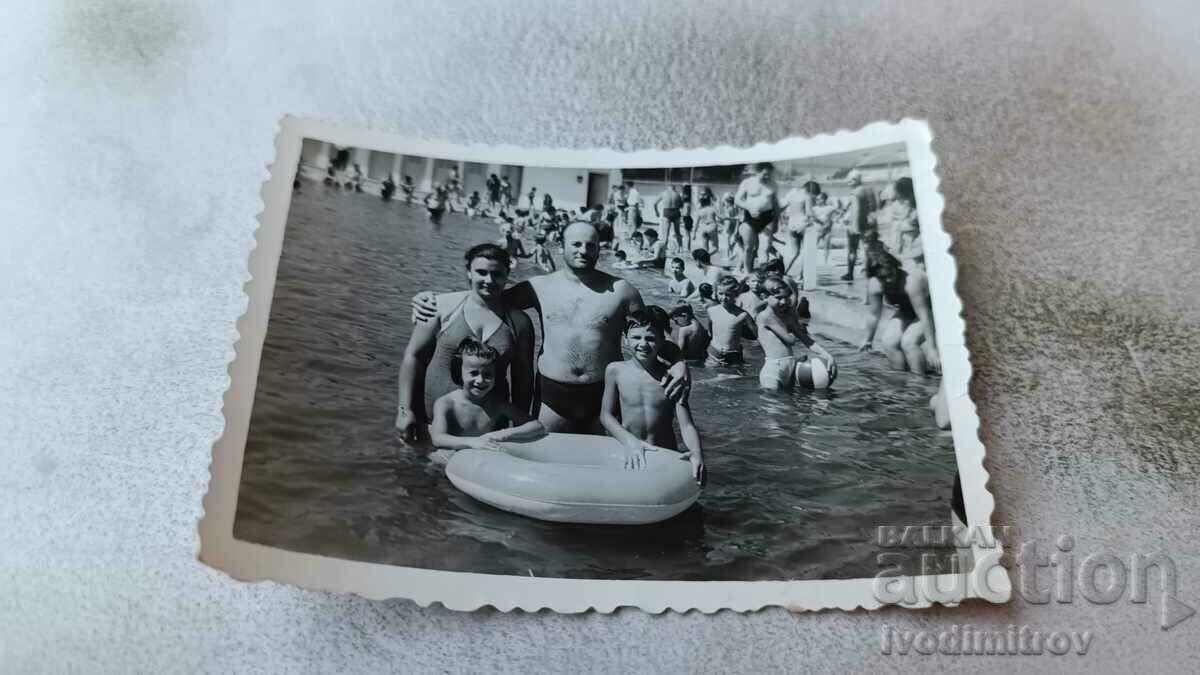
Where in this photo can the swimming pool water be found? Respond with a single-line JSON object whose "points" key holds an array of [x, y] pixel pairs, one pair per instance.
{"points": [[798, 482]]}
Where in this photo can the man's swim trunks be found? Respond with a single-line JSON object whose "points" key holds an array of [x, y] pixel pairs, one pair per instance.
{"points": [[760, 221], [672, 215], [718, 359], [574, 402]]}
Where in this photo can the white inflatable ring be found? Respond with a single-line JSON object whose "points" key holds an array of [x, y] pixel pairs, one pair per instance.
{"points": [[572, 478]]}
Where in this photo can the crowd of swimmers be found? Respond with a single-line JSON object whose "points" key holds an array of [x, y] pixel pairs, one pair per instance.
{"points": [[470, 376]]}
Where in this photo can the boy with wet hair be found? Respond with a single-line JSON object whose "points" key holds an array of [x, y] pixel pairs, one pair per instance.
{"points": [[709, 273], [470, 416], [623, 261], [752, 298], [635, 408], [679, 284], [705, 295], [691, 335], [730, 324], [779, 328]]}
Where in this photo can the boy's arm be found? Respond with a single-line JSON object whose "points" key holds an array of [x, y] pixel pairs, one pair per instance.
{"points": [[691, 440], [440, 434], [766, 322], [749, 326]]}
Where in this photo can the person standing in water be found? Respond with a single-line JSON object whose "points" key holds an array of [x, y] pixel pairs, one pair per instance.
{"points": [[757, 197], [861, 226], [669, 209]]}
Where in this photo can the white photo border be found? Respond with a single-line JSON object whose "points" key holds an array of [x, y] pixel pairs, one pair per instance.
{"points": [[468, 591]]}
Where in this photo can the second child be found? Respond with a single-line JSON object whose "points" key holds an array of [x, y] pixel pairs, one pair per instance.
{"points": [[470, 416], [635, 408], [779, 328], [730, 324]]}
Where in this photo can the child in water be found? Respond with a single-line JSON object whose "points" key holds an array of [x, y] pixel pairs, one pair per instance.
{"points": [[679, 283], [730, 324], [778, 329], [635, 408], [470, 417], [407, 187], [656, 251], [705, 295], [691, 335], [541, 256], [510, 242], [623, 261]]}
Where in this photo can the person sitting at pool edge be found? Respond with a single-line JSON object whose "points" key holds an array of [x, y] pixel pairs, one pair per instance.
{"points": [[691, 336], [635, 408], [472, 416], [730, 323], [779, 328], [656, 251]]}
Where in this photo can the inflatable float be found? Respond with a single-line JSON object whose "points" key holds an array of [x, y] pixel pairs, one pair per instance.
{"points": [[573, 478], [813, 374]]}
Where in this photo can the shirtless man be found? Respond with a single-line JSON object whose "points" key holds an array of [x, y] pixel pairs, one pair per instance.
{"points": [[863, 205], [671, 213], [757, 197], [583, 312]]}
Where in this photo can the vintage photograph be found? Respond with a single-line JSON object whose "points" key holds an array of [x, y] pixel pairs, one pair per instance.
{"points": [[725, 371]]}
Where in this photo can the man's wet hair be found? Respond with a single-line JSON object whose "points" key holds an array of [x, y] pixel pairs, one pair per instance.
{"points": [[705, 290], [621, 255], [539, 238], [652, 233], [470, 347], [729, 283], [679, 260], [646, 317], [488, 251], [702, 256]]}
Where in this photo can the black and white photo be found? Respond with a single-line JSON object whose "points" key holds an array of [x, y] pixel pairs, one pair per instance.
{"points": [[563, 378]]}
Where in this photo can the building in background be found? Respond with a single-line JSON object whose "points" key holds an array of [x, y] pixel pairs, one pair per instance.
{"points": [[575, 187]]}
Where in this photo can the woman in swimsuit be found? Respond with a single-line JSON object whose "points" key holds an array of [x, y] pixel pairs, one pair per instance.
{"points": [[904, 337], [479, 312]]}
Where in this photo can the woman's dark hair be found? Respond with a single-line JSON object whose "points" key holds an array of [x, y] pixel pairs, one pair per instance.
{"points": [[701, 256], [705, 200], [813, 188], [488, 251], [470, 347]]}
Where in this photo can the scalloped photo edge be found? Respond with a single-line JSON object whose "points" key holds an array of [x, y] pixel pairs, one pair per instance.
{"points": [[464, 591]]}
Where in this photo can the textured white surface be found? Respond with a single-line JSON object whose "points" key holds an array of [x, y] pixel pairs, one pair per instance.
{"points": [[136, 135]]}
